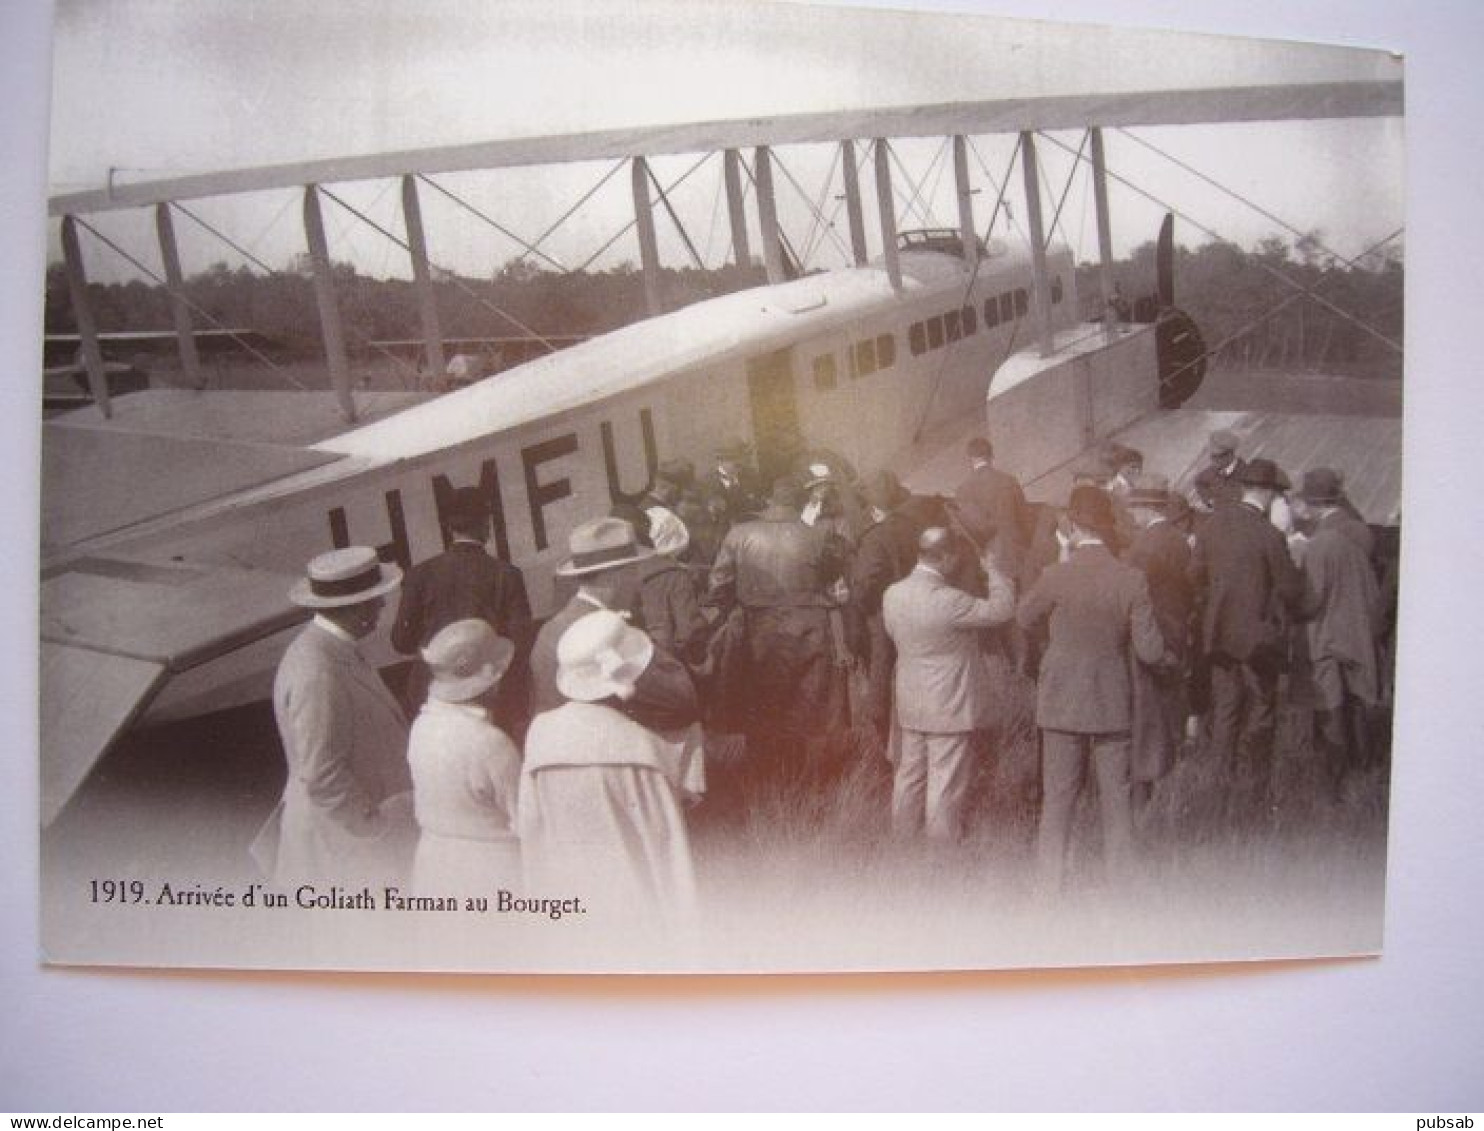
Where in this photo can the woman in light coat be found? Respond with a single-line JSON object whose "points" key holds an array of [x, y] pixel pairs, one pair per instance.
{"points": [[465, 770]]}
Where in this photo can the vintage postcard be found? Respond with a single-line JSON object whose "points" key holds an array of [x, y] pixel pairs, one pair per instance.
{"points": [[662, 487]]}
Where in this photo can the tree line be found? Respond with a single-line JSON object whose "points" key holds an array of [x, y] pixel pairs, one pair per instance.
{"points": [[1279, 305]]}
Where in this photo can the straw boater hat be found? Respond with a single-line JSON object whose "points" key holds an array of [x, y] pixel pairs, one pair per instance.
{"points": [[601, 655], [604, 543], [466, 659], [344, 577]]}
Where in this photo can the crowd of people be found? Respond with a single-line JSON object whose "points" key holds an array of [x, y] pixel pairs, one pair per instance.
{"points": [[829, 620]]}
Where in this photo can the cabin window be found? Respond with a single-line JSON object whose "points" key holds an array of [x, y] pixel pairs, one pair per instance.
{"points": [[953, 326], [971, 325], [1022, 302], [991, 314], [865, 357], [917, 339], [935, 332], [1007, 307], [824, 372], [886, 350], [1056, 289]]}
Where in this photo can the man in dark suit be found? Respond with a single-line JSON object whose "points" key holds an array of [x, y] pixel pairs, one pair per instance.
{"points": [[1220, 480], [992, 507], [886, 554], [944, 688], [465, 581], [1161, 552], [1100, 621], [1247, 588]]}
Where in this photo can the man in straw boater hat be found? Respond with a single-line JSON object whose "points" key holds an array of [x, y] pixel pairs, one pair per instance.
{"points": [[1099, 623], [599, 815], [1343, 609], [606, 560], [344, 735], [466, 580], [465, 769], [1160, 550], [1246, 589]]}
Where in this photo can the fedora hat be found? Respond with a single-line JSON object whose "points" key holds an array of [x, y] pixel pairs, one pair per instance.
{"points": [[344, 577], [884, 491], [1222, 443], [604, 543], [1091, 508], [466, 659], [1323, 486], [1262, 473], [601, 655]]}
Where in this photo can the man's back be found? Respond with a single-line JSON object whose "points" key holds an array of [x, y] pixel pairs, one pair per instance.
{"points": [[1342, 602], [1244, 580], [775, 562], [1099, 611], [462, 582], [942, 679], [1161, 552], [992, 505]]}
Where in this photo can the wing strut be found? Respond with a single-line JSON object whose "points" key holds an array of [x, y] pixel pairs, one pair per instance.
{"points": [[853, 202], [767, 213], [87, 329], [649, 248], [1038, 240], [736, 211], [1111, 316], [417, 247], [967, 232], [887, 206], [329, 311], [180, 311]]}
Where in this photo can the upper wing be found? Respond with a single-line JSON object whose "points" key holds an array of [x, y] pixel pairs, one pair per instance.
{"points": [[1298, 101]]}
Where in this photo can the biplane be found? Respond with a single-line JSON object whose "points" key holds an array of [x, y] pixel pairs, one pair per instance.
{"points": [[175, 521]]}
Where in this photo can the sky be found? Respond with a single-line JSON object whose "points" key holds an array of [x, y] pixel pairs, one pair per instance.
{"points": [[147, 89]]}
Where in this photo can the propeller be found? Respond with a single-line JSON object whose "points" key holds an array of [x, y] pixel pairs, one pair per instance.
{"points": [[1179, 346]]}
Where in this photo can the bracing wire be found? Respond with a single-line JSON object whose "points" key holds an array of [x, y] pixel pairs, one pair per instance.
{"points": [[458, 282], [194, 307], [1268, 267], [530, 248]]}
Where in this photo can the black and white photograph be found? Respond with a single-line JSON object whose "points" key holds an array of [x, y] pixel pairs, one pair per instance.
{"points": [[732, 488]]}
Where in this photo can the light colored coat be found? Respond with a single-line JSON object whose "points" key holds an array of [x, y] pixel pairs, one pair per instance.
{"points": [[599, 819], [465, 777], [943, 683], [345, 740]]}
